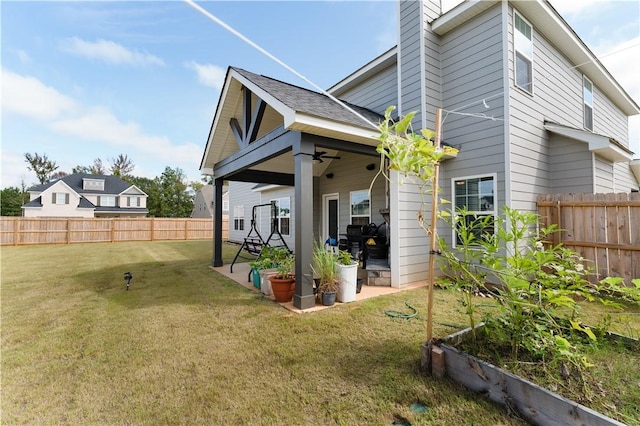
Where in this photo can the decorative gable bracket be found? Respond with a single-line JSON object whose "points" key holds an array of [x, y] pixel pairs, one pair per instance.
{"points": [[251, 118]]}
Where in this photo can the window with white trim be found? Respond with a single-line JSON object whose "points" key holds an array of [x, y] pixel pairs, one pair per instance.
{"points": [[523, 57], [360, 210], [108, 200], [238, 218], [60, 198], [477, 195], [133, 201], [283, 215], [587, 90], [225, 205]]}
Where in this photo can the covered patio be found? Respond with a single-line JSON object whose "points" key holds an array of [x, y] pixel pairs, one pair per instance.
{"points": [[270, 132]]}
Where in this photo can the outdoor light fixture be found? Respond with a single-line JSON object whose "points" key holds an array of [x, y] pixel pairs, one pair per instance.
{"points": [[370, 166], [329, 175], [128, 276]]}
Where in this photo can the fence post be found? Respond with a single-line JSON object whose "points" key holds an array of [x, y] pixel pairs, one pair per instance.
{"points": [[68, 237], [153, 227], [16, 224], [186, 228]]}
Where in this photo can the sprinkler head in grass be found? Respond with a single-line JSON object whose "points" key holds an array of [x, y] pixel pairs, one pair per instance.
{"points": [[128, 276]]}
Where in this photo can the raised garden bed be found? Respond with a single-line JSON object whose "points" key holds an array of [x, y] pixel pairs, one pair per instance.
{"points": [[525, 398]]}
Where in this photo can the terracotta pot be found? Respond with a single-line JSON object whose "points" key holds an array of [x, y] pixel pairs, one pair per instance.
{"points": [[283, 289]]}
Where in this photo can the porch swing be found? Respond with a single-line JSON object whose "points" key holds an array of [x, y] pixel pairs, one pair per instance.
{"points": [[254, 243]]}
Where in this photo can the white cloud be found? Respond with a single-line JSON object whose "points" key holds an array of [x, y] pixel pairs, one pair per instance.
{"points": [[208, 75], [108, 51], [30, 97], [14, 171], [98, 124]]}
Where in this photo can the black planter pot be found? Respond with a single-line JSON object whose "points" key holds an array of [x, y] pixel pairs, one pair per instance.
{"points": [[328, 298]]}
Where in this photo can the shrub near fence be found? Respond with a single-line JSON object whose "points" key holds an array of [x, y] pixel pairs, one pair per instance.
{"points": [[22, 231], [604, 228]]}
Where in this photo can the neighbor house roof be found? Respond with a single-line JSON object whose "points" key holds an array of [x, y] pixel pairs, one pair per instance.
{"points": [[112, 184]]}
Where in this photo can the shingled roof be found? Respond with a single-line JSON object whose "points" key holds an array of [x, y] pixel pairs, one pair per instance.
{"points": [[310, 102], [112, 184]]}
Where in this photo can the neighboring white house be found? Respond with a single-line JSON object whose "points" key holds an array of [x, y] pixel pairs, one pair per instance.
{"points": [[84, 195], [529, 106], [203, 202]]}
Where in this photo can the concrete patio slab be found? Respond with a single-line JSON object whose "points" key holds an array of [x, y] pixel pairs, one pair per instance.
{"points": [[240, 275]]}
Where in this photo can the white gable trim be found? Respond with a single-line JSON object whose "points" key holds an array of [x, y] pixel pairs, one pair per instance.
{"points": [[133, 190], [55, 185], [363, 73]]}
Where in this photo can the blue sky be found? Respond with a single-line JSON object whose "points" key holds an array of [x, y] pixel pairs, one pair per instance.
{"points": [[87, 80]]}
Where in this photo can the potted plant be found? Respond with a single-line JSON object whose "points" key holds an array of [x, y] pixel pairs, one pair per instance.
{"points": [[324, 270], [347, 274], [283, 282], [266, 265]]}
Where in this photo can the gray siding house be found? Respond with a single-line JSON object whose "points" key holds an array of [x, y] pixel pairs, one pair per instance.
{"points": [[203, 202], [530, 108]]}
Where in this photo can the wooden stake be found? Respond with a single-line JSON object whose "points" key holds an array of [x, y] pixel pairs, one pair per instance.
{"points": [[434, 218]]}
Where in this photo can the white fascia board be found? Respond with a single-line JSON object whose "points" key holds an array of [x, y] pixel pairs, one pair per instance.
{"points": [[302, 120], [459, 14], [216, 118], [132, 190], [381, 62]]}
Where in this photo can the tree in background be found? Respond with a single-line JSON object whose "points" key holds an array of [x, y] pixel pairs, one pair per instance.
{"points": [[121, 166], [168, 195], [97, 168], [149, 187], [11, 201], [58, 175], [175, 198], [41, 166]]}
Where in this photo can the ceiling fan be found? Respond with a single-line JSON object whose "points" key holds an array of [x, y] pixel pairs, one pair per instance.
{"points": [[319, 155]]}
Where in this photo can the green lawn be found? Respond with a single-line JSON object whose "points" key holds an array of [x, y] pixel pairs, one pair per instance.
{"points": [[187, 346]]}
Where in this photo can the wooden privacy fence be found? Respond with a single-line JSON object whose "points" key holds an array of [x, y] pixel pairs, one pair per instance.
{"points": [[604, 228], [22, 231]]}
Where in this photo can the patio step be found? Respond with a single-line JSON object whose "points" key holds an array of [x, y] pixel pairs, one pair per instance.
{"points": [[375, 275]]}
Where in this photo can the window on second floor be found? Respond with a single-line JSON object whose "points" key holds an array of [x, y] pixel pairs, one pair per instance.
{"points": [[523, 43], [107, 200], [587, 90], [60, 198]]}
